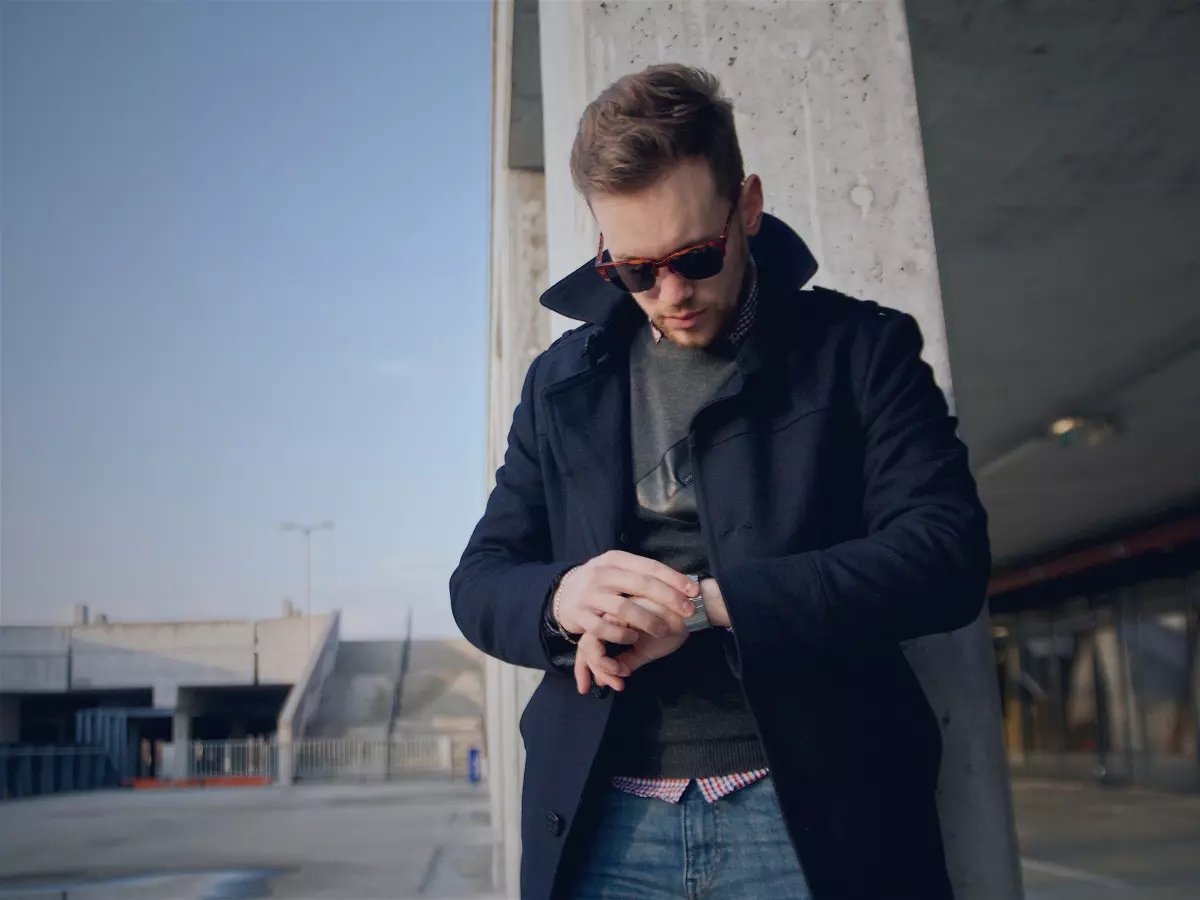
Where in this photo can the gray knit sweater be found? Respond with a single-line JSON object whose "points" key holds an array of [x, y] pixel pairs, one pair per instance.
{"points": [[683, 716]]}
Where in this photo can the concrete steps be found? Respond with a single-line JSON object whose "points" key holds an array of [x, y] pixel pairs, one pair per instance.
{"points": [[357, 697]]}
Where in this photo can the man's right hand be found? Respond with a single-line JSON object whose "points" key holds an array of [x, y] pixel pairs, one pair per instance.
{"points": [[604, 589]]}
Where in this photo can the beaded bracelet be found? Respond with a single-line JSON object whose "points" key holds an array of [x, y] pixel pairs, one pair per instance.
{"points": [[556, 607]]}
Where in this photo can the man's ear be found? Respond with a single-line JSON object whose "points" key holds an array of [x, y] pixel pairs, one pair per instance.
{"points": [[752, 205]]}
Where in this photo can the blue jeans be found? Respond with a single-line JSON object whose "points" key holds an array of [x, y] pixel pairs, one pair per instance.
{"points": [[734, 849]]}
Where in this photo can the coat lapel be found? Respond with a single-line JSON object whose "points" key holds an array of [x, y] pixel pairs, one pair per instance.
{"points": [[589, 424]]}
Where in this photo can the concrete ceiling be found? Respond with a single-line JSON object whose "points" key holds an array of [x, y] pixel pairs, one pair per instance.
{"points": [[1062, 140]]}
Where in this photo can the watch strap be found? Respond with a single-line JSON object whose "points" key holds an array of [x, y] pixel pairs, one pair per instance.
{"points": [[698, 621]]}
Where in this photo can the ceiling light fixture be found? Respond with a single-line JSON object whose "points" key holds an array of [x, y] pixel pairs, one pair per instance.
{"points": [[1071, 430]]}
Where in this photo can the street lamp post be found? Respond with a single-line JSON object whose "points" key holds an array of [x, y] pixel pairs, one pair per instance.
{"points": [[307, 530]]}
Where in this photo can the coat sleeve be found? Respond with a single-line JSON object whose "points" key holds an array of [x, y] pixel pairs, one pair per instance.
{"points": [[923, 564], [498, 592]]}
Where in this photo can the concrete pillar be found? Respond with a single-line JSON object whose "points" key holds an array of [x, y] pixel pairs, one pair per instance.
{"points": [[826, 111], [10, 718], [285, 765], [519, 330], [181, 737]]}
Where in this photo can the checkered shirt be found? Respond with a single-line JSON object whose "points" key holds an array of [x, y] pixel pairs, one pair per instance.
{"points": [[744, 320], [671, 789]]}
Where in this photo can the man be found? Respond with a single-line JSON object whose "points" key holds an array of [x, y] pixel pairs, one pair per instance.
{"points": [[724, 504]]}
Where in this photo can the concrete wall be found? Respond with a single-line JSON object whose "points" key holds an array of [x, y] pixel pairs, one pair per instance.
{"points": [[284, 646], [136, 654], [519, 329], [162, 656], [34, 658]]}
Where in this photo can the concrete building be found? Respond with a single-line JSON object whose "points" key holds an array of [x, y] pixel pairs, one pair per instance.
{"points": [[242, 670], [287, 678], [1053, 157]]}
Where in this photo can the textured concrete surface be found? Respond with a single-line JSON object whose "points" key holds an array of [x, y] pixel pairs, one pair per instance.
{"points": [[434, 840], [103, 655], [343, 841], [1079, 841]]}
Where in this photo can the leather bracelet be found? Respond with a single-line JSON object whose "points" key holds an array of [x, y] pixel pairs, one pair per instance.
{"points": [[556, 605]]}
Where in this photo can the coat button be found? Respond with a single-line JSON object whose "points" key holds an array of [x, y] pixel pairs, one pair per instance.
{"points": [[600, 691], [554, 823]]}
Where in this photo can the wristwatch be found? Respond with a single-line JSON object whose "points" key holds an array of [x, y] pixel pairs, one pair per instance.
{"points": [[698, 621]]}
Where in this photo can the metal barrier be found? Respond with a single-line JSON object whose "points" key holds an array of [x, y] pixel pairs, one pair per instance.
{"points": [[232, 759], [33, 771], [336, 759]]}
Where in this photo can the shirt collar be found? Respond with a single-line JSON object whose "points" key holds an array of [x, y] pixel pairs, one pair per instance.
{"points": [[743, 320]]}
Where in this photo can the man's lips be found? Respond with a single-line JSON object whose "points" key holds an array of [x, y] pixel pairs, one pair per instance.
{"points": [[685, 318]]}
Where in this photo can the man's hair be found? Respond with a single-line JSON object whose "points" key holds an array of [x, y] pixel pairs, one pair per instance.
{"points": [[644, 124]]}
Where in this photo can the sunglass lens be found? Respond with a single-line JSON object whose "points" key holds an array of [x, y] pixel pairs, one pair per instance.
{"points": [[634, 279], [698, 264]]}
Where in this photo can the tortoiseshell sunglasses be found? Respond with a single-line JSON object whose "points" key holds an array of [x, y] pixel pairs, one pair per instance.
{"points": [[695, 263]]}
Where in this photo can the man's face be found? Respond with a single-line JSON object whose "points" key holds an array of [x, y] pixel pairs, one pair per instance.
{"points": [[681, 209]]}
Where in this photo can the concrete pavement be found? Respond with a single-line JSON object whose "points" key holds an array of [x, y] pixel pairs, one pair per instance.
{"points": [[1084, 841], [381, 841], [411, 840]]}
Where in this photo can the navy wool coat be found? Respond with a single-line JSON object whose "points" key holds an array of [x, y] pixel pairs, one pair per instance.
{"points": [[841, 519]]}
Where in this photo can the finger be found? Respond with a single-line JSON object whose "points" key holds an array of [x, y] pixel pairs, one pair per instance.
{"points": [[641, 613], [583, 674], [605, 679], [588, 650], [607, 631], [644, 616], [674, 621], [637, 584], [653, 568], [608, 665]]}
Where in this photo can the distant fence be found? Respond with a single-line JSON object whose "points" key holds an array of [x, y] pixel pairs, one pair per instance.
{"points": [[34, 771], [327, 759], [318, 759], [249, 758]]}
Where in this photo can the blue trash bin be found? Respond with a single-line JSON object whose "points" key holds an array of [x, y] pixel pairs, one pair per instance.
{"points": [[473, 765]]}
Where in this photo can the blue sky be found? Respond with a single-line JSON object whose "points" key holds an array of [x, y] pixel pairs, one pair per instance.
{"points": [[244, 281]]}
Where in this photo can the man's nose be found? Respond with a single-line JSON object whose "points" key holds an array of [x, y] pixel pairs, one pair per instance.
{"points": [[673, 289]]}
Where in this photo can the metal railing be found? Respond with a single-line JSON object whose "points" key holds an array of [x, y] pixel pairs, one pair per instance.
{"points": [[34, 771], [408, 755], [249, 758], [305, 697], [324, 759]]}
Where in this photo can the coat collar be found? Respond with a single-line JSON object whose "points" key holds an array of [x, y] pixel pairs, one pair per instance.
{"points": [[588, 411], [785, 265]]}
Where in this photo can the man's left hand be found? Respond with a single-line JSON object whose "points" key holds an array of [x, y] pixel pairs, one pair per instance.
{"points": [[592, 663]]}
